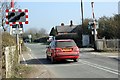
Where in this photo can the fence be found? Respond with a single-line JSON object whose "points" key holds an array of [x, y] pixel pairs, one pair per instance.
{"points": [[110, 44], [113, 44], [9, 60]]}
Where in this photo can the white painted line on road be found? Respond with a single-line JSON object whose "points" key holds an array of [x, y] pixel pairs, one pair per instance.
{"points": [[104, 54], [24, 59], [33, 57], [113, 56], [101, 67], [30, 56], [29, 49], [96, 53]]}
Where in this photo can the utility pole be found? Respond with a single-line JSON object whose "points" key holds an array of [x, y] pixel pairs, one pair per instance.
{"points": [[82, 29], [82, 11], [94, 26]]}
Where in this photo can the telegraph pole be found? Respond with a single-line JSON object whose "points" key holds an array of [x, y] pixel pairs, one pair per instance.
{"points": [[94, 26], [82, 11], [82, 29]]}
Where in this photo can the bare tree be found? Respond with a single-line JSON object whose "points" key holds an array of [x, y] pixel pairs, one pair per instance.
{"points": [[33, 31], [42, 32], [36, 34], [3, 6]]}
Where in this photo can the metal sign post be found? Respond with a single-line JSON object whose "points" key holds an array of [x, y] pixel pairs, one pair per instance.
{"points": [[17, 37], [16, 17]]}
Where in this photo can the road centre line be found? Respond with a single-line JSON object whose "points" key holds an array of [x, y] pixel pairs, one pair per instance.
{"points": [[101, 67], [24, 59], [44, 65], [90, 64]]}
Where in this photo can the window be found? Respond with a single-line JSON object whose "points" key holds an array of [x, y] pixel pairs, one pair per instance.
{"points": [[65, 43]]}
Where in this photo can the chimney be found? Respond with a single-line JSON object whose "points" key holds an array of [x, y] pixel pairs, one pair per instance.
{"points": [[62, 24], [71, 23]]}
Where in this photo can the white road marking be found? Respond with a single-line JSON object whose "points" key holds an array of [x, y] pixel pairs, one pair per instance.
{"points": [[88, 63], [100, 67], [96, 53], [31, 56], [24, 59], [104, 54], [113, 56], [40, 63], [85, 62], [29, 49]]}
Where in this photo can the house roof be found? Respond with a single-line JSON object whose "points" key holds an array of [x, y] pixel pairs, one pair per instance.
{"points": [[66, 28]]}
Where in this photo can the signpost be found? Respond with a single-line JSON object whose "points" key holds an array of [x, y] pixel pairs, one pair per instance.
{"points": [[19, 31], [16, 18]]}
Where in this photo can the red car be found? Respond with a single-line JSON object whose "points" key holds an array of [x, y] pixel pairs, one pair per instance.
{"points": [[62, 50]]}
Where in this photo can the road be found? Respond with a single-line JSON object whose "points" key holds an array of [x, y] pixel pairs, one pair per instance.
{"points": [[89, 65]]}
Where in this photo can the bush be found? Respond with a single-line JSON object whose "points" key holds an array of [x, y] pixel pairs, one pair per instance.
{"points": [[8, 40]]}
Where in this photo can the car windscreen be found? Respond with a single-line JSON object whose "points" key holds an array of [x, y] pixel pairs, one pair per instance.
{"points": [[63, 44]]}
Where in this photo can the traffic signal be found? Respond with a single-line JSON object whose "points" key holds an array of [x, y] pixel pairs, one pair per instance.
{"points": [[91, 25], [15, 26], [17, 16]]}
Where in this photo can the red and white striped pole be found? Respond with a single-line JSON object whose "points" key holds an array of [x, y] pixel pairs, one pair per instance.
{"points": [[92, 3], [12, 3], [17, 35], [95, 31], [12, 6], [93, 14]]}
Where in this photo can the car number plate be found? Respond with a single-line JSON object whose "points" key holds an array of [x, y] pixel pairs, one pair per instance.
{"points": [[66, 49]]}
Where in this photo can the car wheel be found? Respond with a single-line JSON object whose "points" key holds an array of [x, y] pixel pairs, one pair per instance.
{"points": [[76, 60]]}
